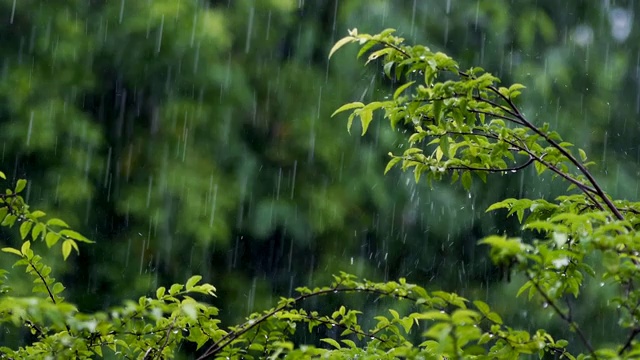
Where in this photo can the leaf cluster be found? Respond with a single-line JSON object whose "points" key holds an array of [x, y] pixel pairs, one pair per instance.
{"points": [[463, 123], [460, 123]]}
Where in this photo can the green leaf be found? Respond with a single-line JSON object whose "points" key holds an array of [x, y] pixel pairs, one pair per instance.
{"points": [[379, 53], [160, 292], [387, 67], [583, 155], [66, 249], [524, 287], [466, 180], [57, 222], [482, 306], [349, 106], [504, 204], [26, 246], [25, 228], [402, 88], [349, 343], [331, 342], [3, 176], [431, 315], [364, 48], [37, 230], [444, 145], [175, 288], [20, 185], [12, 251], [494, 317], [193, 281], [516, 86], [394, 160], [74, 235], [37, 214], [365, 117], [51, 238], [340, 43], [57, 288]]}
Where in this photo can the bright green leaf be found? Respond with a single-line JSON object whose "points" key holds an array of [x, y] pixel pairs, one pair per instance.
{"points": [[12, 251], [192, 282], [20, 185], [349, 106], [340, 43]]}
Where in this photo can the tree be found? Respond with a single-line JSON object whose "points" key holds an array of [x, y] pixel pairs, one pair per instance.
{"points": [[460, 124]]}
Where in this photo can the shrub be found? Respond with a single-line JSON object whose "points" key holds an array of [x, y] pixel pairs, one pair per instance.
{"points": [[460, 125]]}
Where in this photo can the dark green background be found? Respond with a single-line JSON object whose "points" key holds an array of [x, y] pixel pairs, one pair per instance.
{"points": [[194, 137]]}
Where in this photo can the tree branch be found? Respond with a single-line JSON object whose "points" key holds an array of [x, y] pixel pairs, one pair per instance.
{"points": [[563, 316]]}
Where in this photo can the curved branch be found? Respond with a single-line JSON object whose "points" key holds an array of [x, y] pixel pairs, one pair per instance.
{"points": [[563, 151], [493, 170], [242, 329], [627, 344], [494, 104], [587, 190], [515, 121]]}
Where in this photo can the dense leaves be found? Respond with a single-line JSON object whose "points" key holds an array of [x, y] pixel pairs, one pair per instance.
{"points": [[467, 125]]}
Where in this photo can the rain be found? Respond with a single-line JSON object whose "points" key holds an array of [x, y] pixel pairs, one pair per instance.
{"points": [[196, 137]]}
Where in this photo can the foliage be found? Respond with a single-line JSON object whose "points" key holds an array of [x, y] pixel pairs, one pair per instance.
{"points": [[460, 124], [463, 123]]}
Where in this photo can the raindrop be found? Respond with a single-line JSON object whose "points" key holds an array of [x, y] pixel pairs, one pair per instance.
{"points": [[121, 11], [159, 41], [268, 25], [30, 127], [213, 205], [621, 23], [13, 11], [583, 35], [247, 44], [293, 178]]}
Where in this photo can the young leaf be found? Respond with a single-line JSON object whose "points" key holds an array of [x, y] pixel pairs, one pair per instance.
{"points": [[583, 155], [340, 43], [20, 185], [57, 222], [391, 163], [466, 180], [193, 281], [37, 214], [51, 238], [349, 106], [37, 230], [331, 342], [366, 116], [25, 227], [66, 249], [12, 251], [74, 235], [26, 246], [160, 292], [402, 88]]}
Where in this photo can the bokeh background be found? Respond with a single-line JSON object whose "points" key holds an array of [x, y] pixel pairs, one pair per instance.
{"points": [[194, 137]]}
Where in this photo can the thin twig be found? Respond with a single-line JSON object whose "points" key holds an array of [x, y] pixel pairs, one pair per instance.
{"points": [[562, 315], [242, 329], [627, 344]]}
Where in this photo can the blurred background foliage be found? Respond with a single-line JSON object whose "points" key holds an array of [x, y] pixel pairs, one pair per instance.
{"points": [[194, 137]]}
